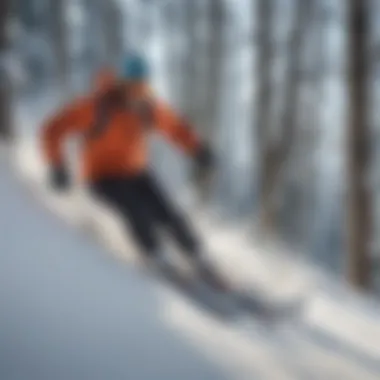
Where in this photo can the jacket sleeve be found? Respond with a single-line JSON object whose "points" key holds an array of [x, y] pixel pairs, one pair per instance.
{"points": [[72, 119], [175, 129]]}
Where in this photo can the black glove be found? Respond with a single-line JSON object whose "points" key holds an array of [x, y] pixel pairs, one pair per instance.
{"points": [[204, 158], [59, 178], [204, 161]]}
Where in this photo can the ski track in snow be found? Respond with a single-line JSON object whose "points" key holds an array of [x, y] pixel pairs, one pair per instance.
{"points": [[244, 349]]}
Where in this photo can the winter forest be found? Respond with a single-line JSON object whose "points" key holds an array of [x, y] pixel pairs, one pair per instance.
{"points": [[284, 91]]}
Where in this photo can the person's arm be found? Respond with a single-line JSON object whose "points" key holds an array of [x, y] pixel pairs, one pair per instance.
{"points": [[177, 130], [181, 134], [72, 119], [68, 120]]}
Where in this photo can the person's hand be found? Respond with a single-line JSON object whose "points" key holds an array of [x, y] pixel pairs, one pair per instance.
{"points": [[204, 164], [59, 178]]}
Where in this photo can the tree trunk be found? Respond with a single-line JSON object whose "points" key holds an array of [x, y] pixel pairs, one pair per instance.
{"points": [[59, 41], [262, 73], [311, 136], [5, 85], [359, 196], [265, 19], [91, 49], [173, 24], [216, 19], [113, 31], [209, 119], [276, 154], [191, 12]]}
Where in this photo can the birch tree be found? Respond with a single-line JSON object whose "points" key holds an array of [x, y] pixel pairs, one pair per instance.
{"points": [[359, 202], [276, 154], [5, 85], [60, 42]]}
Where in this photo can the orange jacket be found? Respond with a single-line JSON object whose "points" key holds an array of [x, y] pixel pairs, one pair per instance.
{"points": [[120, 148]]}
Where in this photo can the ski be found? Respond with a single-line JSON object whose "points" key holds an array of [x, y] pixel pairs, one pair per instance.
{"points": [[250, 304], [271, 311], [198, 292], [253, 304]]}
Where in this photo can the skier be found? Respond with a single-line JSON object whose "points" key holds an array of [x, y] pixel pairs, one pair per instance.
{"points": [[114, 123]]}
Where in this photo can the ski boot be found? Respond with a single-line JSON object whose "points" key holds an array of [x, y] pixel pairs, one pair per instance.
{"points": [[209, 274]]}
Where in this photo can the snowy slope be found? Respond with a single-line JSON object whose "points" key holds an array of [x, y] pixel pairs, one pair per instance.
{"points": [[337, 326]]}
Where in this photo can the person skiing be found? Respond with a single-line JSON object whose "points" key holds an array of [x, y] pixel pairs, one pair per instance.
{"points": [[114, 122]]}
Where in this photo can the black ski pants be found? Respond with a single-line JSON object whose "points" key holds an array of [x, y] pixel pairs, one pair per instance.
{"points": [[145, 207]]}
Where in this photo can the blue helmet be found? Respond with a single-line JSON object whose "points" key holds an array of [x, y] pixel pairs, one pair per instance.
{"points": [[134, 68]]}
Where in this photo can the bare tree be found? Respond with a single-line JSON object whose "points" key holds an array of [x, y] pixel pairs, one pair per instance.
{"points": [[59, 41], [173, 26], [91, 50], [310, 133], [359, 195], [191, 25], [112, 25], [217, 18], [276, 154], [262, 71], [298, 195], [5, 87], [209, 117]]}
